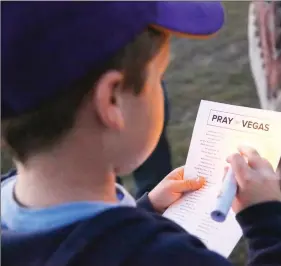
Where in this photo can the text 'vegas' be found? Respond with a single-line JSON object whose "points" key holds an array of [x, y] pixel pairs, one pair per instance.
{"points": [[245, 123]]}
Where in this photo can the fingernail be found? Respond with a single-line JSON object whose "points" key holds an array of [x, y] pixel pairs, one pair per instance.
{"points": [[201, 180], [197, 183], [228, 158]]}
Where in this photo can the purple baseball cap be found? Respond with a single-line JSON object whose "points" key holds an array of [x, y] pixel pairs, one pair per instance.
{"points": [[46, 46]]}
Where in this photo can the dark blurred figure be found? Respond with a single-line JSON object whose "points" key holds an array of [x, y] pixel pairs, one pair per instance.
{"points": [[158, 165]]}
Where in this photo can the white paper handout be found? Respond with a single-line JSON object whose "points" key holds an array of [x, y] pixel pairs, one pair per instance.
{"points": [[219, 129]]}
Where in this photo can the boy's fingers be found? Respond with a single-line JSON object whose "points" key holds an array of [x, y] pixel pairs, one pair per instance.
{"points": [[181, 186], [248, 151], [176, 174], [255, 161], [266, 164], [194, 184], [252, 156], [239, 167]]}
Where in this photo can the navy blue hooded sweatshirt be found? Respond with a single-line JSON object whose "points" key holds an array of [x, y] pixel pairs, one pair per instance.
{"points": [[140, 237]]}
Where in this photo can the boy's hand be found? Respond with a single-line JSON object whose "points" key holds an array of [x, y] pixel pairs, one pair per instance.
{"points": [[171, 189], [257, 181]]}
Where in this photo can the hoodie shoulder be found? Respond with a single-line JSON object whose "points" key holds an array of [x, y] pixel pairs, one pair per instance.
{"points": [[119, 236]]}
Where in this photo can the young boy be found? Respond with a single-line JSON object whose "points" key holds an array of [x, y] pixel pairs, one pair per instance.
{"points": [[81, 103]]}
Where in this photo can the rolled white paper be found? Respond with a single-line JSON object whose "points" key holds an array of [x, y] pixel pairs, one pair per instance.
{"points": [[226, 197]]}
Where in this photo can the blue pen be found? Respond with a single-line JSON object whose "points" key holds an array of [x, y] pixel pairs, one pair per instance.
{"points": [[225, 199]]}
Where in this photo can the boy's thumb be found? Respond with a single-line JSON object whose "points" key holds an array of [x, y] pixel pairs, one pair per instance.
{"points": [[181, 186]]}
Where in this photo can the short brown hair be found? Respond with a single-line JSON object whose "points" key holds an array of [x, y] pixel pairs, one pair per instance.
{"points": [[41, 129]]}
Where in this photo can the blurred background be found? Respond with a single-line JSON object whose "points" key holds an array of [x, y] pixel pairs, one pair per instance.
{"points": [[216, 69]]}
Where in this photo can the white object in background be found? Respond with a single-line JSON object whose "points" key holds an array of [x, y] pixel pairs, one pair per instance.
{"points": [[257, 62]]}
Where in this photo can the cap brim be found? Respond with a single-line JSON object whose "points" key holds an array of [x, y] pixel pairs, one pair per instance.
{"points": [[190, 19]]}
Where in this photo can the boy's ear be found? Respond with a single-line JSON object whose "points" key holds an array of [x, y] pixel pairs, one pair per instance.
{"points": [[108, 100]]}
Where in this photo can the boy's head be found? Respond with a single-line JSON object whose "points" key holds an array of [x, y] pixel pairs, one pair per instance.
{"points": [[90, 72]]}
